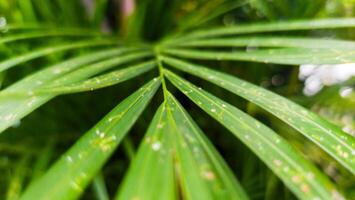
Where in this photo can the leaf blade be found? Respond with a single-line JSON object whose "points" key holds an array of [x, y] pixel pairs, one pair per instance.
{"points": [[269, 41], [285, 56], [101, 81], [297, 173], [272, 27], [330, 138], [150, 167], [82, 161], [191, 144], [12, 110], [11, 62]]}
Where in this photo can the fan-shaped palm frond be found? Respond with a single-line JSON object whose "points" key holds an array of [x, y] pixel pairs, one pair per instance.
{"points": [[175, 159]]}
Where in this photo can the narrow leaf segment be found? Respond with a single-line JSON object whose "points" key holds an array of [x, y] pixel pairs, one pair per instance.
{"points": [[332, 139], [176, 151], [300, 175], [69, 176]]}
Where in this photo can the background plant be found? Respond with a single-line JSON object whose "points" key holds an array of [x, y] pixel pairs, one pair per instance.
{"points": [[173, 59]]}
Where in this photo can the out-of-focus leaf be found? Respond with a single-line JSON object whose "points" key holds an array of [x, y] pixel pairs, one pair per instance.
{"points": [[17, 59]]}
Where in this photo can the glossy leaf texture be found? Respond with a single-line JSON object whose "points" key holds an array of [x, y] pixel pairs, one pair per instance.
{"points": [[270, 27], [176, 154], [69, 176], [300, 175], [101, 81], [286, 56], [330, 138], [269, 41], [13, 108]]}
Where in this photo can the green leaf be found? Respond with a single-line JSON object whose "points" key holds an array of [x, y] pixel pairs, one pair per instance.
{"points": [[18, 59], [286, 56], [300, 175], [151, 175], [268, 41], [99, 187], [31, 35], [13, 109], [272, 27], [331, 139], [203, 172], [175, 144], [105, 80], [69, 176]]}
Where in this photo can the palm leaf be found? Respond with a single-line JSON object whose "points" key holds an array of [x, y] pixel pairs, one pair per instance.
{"points": [[271, 27], [13, 109], [303, 178], [11, 62], [269, 41], [287, 56], [329, 137], [174, 144], [105, 80], [50, 33], [68, 177]]}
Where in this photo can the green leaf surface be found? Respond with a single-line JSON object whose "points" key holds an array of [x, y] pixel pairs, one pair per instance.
{"points": [[269, 41], [300, 175], [13, 109], [331, 139], [18, 59], [151, 175], [69, 176], [32, 35], [286, 56], [272, 27], [175, 144], [105, 80], [203, 172]]}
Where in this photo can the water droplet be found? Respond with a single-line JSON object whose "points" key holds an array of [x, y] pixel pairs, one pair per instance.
{"points": [[310, 175], [209, 175], [69, 159], [296, 179], [156, 146], [345, 155], [305, 188], [277, 162], [8, 117], [114, 137], [160, 125], [213, 110], [3, 22], [210, 77], [74, 185]]}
